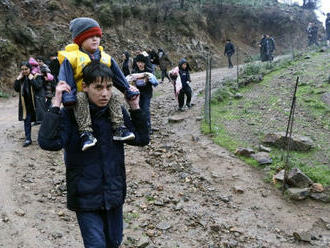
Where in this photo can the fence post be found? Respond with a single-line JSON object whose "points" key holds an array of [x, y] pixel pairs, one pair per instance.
{"points": [[210, 89], [237, 77], [206, 91], [291, 40], [288, 135]]}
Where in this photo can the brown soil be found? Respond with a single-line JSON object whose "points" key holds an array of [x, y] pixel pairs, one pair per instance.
{"points": [[183, 190]]}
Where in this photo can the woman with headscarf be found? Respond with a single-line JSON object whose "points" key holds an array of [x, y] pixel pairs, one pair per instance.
{"points": [[25, 85]]}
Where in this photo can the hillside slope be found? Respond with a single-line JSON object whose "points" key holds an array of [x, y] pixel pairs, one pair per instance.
{"points": [[39, 27]]}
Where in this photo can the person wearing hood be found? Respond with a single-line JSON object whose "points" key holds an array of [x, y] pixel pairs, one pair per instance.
{"points": [[327, 28], [184, 73], [127, 63], [143, 79]]}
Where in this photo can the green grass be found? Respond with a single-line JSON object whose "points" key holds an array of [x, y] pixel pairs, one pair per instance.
{"points": [[130, 216], [3, 94], [229, 110]]}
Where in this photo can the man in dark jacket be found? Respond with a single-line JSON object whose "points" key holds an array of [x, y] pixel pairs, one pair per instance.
{"points": [[164, 63], [314, 32], [154, 59], [271, 45], [263, 48], [229, 51], [96, 180], [327, 28]]}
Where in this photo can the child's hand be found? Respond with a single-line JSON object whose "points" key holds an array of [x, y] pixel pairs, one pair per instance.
{"points": [[30, 76]]}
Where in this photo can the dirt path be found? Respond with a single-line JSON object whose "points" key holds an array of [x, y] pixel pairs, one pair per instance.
{"points": [[183, 190]]}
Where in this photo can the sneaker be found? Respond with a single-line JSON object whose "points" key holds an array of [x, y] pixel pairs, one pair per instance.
{"points": [[27, 143], [122, 134], [188, 105], [87, 140], [181, 109]]}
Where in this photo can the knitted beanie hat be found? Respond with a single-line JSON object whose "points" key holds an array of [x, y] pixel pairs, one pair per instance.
{"points": [[83, 28]]}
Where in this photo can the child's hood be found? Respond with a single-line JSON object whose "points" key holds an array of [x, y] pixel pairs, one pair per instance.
{"points": [[33, 62], [182, 61]]}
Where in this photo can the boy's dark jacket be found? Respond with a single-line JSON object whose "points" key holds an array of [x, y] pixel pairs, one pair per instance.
{"points": [[95, 178]]}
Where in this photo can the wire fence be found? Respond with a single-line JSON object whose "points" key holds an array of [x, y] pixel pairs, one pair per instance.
{"points": [[241, 112]]}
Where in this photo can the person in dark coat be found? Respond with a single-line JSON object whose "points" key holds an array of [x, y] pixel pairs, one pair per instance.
{"points": [[148, 64], [184, 73], [54, 66], [229, 51], [126, 64], [164, 63], [309, 33], [327, 28], [271, 47], [314, 32], [263, 48], [26, 85], [48, 87], [145, 86], [95, 179], [154, 59]]}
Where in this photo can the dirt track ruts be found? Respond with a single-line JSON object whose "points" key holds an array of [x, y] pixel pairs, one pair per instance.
{"points": [[180, 189]]}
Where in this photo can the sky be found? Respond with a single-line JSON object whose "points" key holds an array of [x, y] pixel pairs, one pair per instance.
{"points": [[321, 12], [324, 9]]}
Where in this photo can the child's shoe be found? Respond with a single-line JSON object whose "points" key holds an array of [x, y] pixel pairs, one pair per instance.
{"points": [[87, 140], [123, 134]]}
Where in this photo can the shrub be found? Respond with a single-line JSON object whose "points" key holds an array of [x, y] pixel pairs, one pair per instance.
{"points": [[104, 15], [52, 6], [252, 69], [7, 50]]}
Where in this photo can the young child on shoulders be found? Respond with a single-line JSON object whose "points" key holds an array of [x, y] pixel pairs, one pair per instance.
{"points": [[86, 34]]}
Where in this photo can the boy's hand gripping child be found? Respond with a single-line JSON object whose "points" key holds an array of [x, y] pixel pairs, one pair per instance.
{"points": [[86, 34]]}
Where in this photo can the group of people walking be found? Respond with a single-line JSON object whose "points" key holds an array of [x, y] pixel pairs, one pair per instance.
{"points": [[153, 60], [313, 35], [267, 48], [35, 85], [81, 114]]}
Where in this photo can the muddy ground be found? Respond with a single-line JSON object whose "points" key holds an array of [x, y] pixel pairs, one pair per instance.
{"points": [[183, 190]]}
